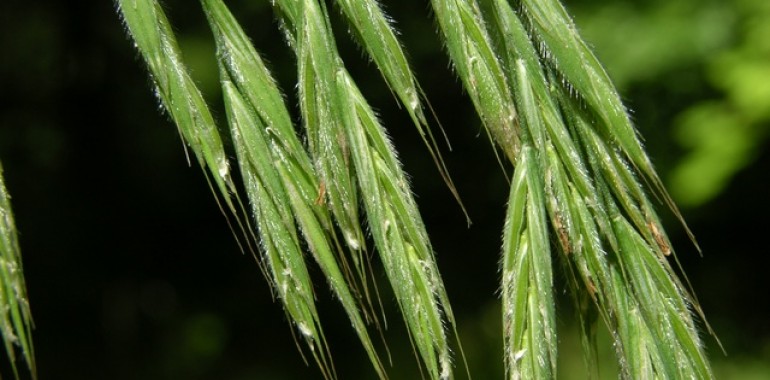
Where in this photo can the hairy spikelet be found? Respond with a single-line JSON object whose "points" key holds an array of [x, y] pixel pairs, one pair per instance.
{"points": [[376, 35], [176, 90], [348, 143], [580, 191], [477, 64], [529, 328], [300, 199], [587, 154], [279, 174], [15, 316]]}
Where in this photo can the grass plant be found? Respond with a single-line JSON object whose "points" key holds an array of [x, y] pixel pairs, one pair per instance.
{"points": [[580, 191]]}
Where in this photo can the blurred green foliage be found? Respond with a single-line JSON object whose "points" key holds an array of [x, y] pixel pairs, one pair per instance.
{"points": [[727, 46]]}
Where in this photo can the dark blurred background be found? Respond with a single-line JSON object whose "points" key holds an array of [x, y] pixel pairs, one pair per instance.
{"points": [[133, 273]]}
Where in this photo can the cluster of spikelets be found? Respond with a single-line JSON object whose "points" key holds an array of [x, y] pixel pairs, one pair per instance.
{"points": [[578, 164], [578, 186]]}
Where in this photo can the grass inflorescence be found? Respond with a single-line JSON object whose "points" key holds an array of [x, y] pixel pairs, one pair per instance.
{"points": [[574, 139], [355, 159], [580, 189], [310, 196]]}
